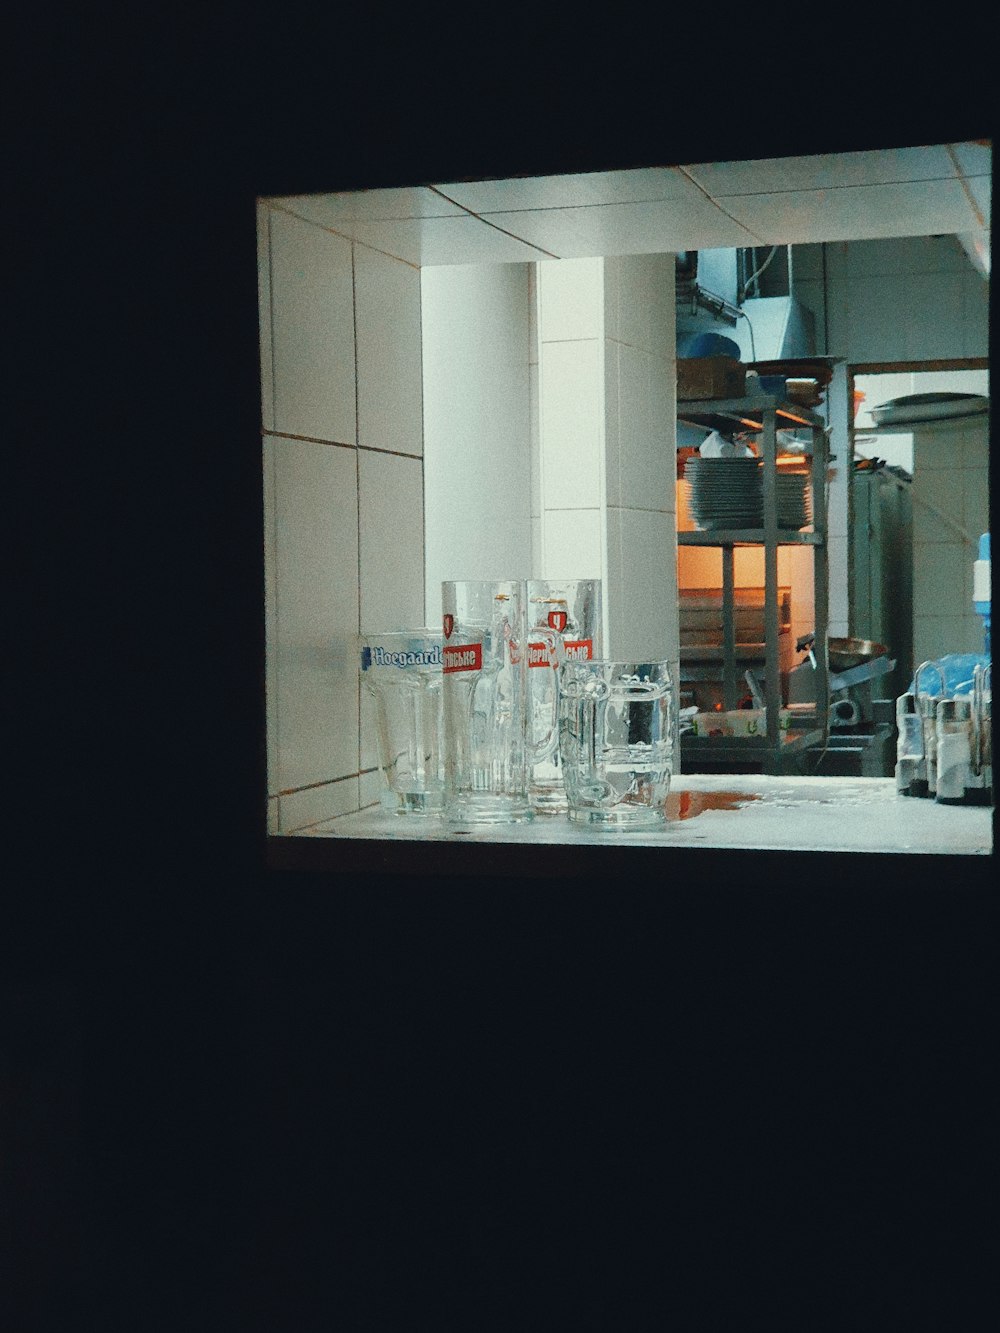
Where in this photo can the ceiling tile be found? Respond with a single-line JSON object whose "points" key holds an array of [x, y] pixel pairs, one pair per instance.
{"points": [[333, 210], [557, 231], [593, 187], [826, 197], [974, 159], [905, 255], [980, 189], [855, 213], [822, 171], [623, 229], [976, 245], [454, 240]]}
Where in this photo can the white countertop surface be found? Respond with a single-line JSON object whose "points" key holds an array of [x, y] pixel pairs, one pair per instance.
{"points": [[827, 814]]}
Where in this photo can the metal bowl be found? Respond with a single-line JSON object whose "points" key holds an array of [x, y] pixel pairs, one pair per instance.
{"points": [[844, 654]]}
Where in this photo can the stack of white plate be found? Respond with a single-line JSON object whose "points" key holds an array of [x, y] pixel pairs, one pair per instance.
{"points": [[725, 492], [794, 499]]}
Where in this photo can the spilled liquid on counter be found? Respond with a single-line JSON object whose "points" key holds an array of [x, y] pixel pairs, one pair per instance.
{"points": [[687, 804]]}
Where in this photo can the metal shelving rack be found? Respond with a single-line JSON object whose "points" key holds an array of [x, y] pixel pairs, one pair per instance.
{"points": [[772, 752]]}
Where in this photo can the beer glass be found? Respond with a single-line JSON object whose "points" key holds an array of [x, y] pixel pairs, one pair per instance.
{"points": [[401, 669], [489, 745], [616, 741], [570, 608]]}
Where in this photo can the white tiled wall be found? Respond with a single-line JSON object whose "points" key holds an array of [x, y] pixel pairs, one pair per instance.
{"points": [[312, 805], [391, 549], [571, 300], [640, 459], [607, 441], [571, 423], [908, 299], [571, 416], [642, 586], [312, 331], [343, 498], [913, 298], [477, 415], [264, 316], [270, 629], [950, 511], [391, 559], [917, 298], [534, 445], [316, 561], [387, 309], [573, 544]]}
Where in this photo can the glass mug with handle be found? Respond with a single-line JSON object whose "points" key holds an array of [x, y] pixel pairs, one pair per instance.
{"points": [[401, 670], [616, 741], [490, 743], [570, 608]]}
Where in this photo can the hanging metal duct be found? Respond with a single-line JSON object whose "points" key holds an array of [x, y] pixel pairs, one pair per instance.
{"points": [[686, 275], [690, 295]]}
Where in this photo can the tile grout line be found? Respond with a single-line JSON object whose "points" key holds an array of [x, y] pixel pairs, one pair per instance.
{"points": [[270, 307], [977, 212], [339, 444], [332, 231], [480, 217], [326, 782], [602, 424], [423, 445], [343, 235], [273, 467], [357, 489]]}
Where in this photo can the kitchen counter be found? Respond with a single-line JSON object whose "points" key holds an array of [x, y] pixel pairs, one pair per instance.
{"points": [[748, 812]]}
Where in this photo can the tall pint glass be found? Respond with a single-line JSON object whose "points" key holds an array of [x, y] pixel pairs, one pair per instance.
{"points": [[570, 608], [616, 741], [489, 745], [401, 669]]}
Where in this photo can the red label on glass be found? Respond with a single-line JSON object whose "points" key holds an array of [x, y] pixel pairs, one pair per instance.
{"points": [[579, 650], [538, 655], [463, 657]]}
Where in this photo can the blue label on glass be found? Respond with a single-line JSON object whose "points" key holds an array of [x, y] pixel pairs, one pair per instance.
{"points": [[382, 657]]}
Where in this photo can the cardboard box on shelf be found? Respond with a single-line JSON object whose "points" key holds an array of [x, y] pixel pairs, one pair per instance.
{"points": [[741, 722], [710, 377]]}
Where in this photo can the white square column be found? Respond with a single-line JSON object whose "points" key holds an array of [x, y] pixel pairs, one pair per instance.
{"points": [[607, 442]]}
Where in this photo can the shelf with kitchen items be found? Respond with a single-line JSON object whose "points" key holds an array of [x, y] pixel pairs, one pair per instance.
{"points": [[783, 735]]}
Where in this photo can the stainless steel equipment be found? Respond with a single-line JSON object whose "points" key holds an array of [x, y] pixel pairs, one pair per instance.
{"points": [[849, 654], [881, 590], [853, 662], [861, 739]]}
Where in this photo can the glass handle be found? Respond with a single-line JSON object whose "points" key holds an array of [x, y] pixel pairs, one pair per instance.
{"points": [[543, 748]]}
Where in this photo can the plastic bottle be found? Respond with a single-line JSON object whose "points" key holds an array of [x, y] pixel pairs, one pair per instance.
{"points": [[981, 590]]}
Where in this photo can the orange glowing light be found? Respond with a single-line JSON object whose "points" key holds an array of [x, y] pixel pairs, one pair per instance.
{"points": [[792, 460]]}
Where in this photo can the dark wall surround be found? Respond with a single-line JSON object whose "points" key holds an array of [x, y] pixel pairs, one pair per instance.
{"points": [[242, 1097]]}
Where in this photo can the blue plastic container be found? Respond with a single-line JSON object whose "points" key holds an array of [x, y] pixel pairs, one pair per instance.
{"points": [[712, 344]]}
